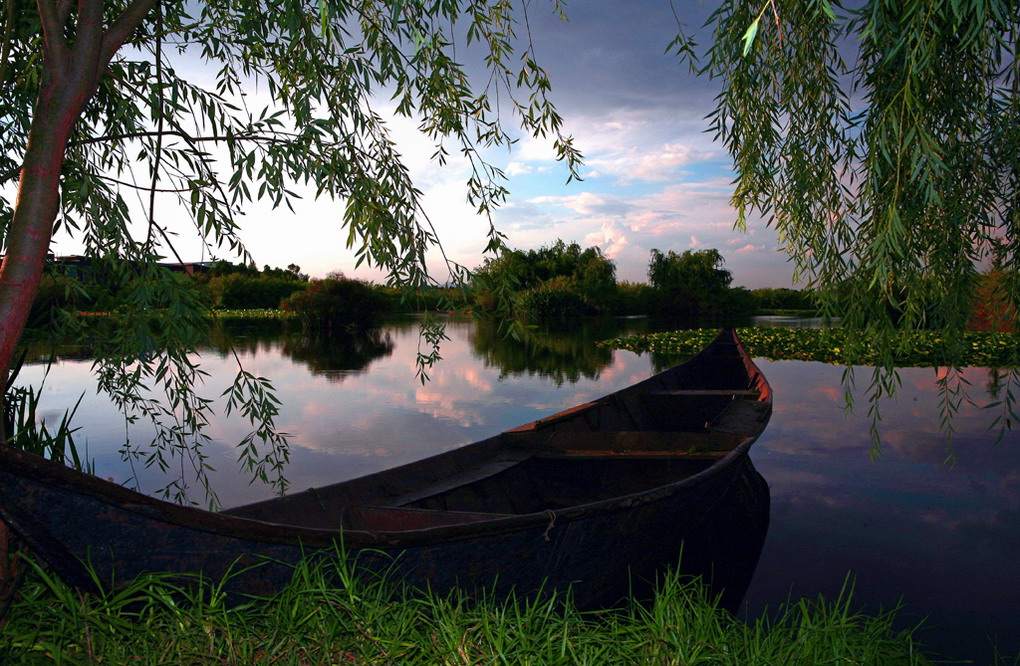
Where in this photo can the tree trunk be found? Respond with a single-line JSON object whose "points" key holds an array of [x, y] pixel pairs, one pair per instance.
{"points": [[69, 79], [34, 213]]}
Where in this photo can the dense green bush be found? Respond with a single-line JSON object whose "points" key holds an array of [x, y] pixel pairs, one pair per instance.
{"points": [[737, 301], [107, 285], [689, 284], [337, 302], [783, 299], [569, 272], [56, 292], [241, 291], [427, 300], [991, 309], [632, 298], [555, 298], [240, 286]]}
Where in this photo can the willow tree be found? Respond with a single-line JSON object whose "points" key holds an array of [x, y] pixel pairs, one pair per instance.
{"points": [[882, 142], [103, 129]]}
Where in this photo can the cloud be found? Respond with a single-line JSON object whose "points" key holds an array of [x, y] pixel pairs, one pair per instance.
{"points": [[531, 149], [750, 248], [679, 216], [611, 238], [586, 203], [656, 164], [516, 168]]}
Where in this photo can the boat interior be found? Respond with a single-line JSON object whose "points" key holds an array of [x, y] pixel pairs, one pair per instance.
{"points": [[646, 436]]}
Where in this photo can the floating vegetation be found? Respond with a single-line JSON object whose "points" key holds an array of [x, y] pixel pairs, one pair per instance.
{"points": [[834, 345], [257, 314]]}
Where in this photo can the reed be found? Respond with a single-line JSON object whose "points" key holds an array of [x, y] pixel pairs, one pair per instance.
{"points": [[328, 616]]}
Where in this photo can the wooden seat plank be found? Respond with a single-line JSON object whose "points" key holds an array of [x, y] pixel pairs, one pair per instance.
{"points": [[685, 392], [637, 444]]}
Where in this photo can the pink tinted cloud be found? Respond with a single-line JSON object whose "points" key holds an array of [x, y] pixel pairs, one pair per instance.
{"points": [[750, 248], [610, 237]]}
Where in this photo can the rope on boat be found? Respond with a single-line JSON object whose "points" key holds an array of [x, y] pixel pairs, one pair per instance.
{"points": [[552, 523]]}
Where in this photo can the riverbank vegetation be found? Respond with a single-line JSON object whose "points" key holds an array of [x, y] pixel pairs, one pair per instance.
{"points": [[234, 286], [336, 302], [556, 282], [328, 616]]}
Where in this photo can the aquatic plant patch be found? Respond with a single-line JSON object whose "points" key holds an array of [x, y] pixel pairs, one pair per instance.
{"points": [[834, 345], [260, 314]]}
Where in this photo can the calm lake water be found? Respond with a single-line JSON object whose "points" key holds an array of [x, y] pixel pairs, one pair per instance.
{"points": [[943, 537]]}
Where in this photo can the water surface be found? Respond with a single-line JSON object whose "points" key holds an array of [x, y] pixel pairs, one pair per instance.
{"points": [[942, 536]]}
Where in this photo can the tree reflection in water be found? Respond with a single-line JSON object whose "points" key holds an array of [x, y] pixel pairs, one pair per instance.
{"points": [[338, 354], [563, 353], [334, 355]]}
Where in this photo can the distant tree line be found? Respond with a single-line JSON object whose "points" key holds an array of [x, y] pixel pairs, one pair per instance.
{"points": [[556, 281], [326, 304]]}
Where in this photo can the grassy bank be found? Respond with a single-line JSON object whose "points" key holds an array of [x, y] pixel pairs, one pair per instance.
{"points": [[832, 345], [325, 617]]}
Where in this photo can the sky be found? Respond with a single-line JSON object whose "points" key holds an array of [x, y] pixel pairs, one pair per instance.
{"points": [[652, 177]]}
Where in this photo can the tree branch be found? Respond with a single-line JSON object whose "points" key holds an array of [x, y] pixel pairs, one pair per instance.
{"points": [[6, 54], [54, 44], [12, 174], [64, 10], [88, 37], [145, 188], [159, 123], [121, 29]]}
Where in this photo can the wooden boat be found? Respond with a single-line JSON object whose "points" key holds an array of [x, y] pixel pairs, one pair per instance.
{"points": [[597, 497]]}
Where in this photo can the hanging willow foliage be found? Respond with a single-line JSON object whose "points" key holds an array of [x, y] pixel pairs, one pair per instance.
{"points": [[115, 112], [882, 142]]}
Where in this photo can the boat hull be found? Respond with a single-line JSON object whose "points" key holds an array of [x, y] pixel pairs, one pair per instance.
{"points": [[597, 500], [600, 557]]}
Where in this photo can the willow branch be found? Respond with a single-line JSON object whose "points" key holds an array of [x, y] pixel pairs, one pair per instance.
{"points": [[64, 10], [159, 125], [143, 188], [8, 28], [88, 37], [189, 138], [279, 137], [54, 44], [126, 23]]}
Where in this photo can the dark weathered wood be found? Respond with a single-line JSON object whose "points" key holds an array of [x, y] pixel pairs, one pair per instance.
{"points": [[597, 498], [754, 393], [638, 444], [567, 414]]}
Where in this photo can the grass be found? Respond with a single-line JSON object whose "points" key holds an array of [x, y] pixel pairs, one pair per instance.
{"points": [[326, 616], [833, 345]]}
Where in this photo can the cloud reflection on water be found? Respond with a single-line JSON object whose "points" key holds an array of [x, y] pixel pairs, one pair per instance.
{"points": [[942, 533]]}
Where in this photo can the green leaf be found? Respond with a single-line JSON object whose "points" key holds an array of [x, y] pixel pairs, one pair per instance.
{"points": [[752, 32]]}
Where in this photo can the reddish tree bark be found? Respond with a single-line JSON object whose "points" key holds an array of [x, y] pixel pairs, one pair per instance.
{"points": [[70, 77], [71, 73]]}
